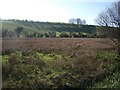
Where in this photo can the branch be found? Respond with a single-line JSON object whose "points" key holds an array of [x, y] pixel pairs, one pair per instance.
{"points": [[114, 41]]}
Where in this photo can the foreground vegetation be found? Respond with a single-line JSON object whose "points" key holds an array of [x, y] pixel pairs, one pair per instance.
{"points": [[60, 63]]}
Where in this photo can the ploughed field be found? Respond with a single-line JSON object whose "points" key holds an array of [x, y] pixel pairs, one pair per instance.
{"points": [[57, 62]]}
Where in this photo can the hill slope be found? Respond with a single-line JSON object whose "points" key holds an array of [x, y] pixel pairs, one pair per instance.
{"points": [[31, 26]]}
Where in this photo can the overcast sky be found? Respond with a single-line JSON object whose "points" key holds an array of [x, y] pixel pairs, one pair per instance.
{"points": [[53, 10]]}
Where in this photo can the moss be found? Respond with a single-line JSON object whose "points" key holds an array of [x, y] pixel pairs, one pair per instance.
{"points": [[47, 58], [58, 57], [39, 54]]}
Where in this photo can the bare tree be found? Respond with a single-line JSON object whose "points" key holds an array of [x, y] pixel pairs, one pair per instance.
{"points": [[103, 19], [111, 18], [84, 21], [79, 21], [72, 21]]}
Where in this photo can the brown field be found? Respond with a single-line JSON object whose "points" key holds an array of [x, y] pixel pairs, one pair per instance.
{"points": [[64, 45]]}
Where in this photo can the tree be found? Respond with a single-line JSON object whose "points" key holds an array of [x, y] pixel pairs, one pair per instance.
{"points": [[79, 21], [18, 31], [83, 21], [72, 21], [111, 18]]}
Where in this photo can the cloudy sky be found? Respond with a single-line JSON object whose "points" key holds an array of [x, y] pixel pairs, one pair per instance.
{"points": [[53, 10]]}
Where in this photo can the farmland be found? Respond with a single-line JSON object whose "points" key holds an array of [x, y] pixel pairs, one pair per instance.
{"points": [[45, 29], [32, 26], [59, 63]]}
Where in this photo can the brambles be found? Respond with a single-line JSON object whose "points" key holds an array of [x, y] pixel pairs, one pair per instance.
{"points": [[56, 62]]}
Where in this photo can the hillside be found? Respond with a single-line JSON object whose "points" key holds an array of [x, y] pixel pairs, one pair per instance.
{"points": [[31, 26]]}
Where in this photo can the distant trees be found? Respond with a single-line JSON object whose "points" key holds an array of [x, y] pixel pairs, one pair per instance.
{"points": [[73, 35], [72, 21], [64, 34], [26, 34], [77, 21], [76, 35], [52, 34], [18, 31], [6, 33], [83, 21], [40, 34], [111, 18]]}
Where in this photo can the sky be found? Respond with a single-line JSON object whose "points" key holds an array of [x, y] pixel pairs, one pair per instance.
{"points": [[53, 10]]}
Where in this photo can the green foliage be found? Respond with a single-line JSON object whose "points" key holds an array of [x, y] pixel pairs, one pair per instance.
{"points": [[107, 56], [111, 62], [112, 81], [23, 72]]}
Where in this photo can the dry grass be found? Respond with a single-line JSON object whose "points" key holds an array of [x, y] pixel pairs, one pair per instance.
{"points": [[64, 45]]}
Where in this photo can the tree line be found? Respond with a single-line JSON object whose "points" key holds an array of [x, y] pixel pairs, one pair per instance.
{"points": [[20, 32], [77, 21]]}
